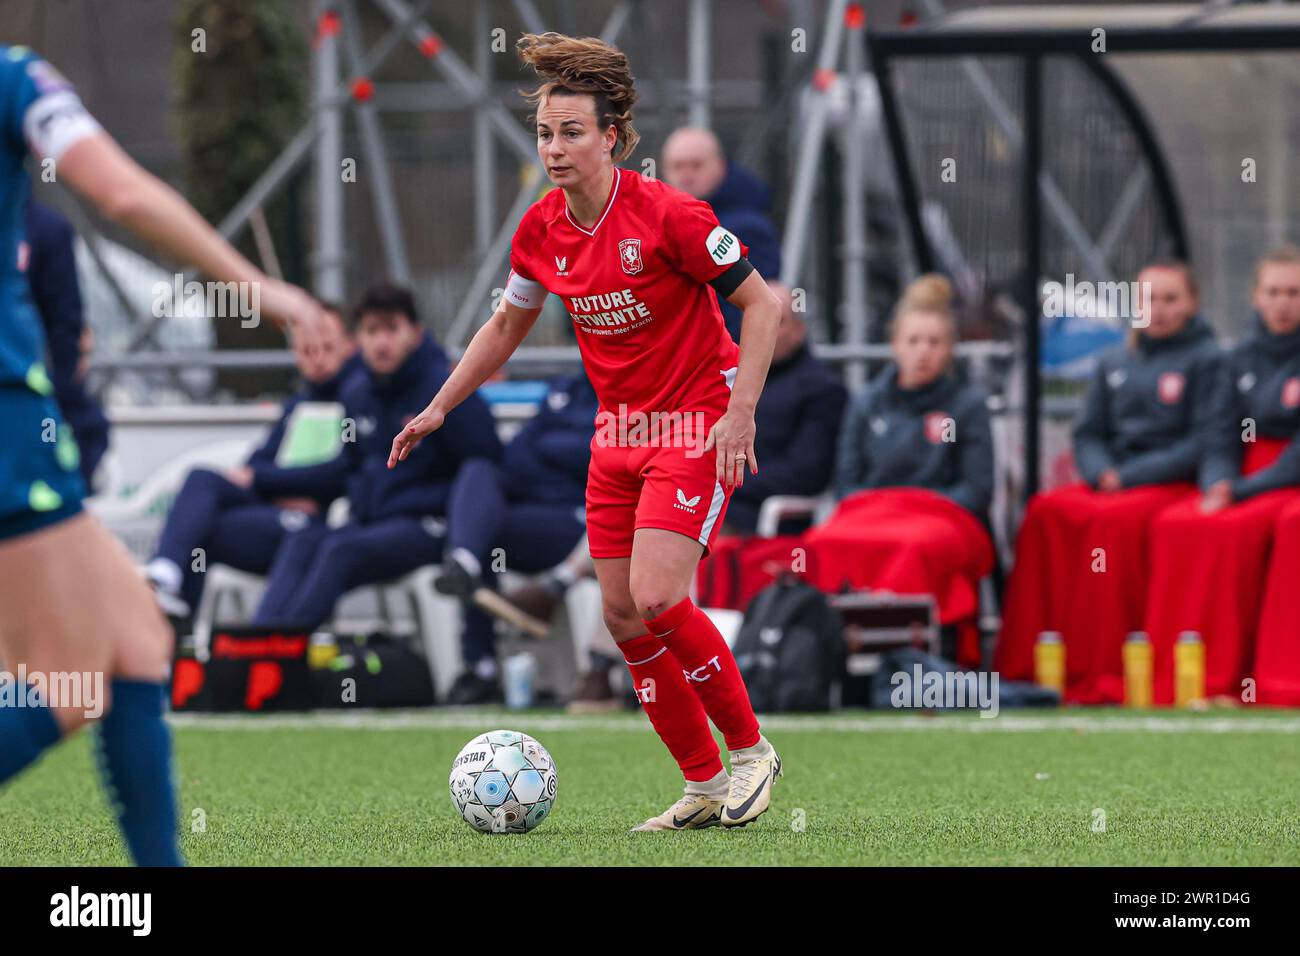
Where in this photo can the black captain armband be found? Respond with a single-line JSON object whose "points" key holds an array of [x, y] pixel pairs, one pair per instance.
{"points": [[730, 280]]}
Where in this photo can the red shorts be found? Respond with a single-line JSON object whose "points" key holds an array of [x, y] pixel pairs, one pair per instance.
{"points": [[665, 480]]}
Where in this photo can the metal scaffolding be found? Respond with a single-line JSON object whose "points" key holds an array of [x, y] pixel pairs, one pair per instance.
{"points": [[342, 84]]}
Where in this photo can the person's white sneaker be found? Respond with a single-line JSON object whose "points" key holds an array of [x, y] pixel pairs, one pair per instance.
{"points": [[754, 771]]}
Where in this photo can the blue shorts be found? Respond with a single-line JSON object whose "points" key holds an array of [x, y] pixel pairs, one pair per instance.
{"points": [[40, 477]]}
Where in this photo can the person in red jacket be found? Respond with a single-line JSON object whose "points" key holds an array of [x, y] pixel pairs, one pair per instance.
{"points": [[1218, 548], [1081, 564], [636, 264], [914, 476]]}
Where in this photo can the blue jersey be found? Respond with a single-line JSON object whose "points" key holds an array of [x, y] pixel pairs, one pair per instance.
{"points": [[39, 478], [24, 79]]}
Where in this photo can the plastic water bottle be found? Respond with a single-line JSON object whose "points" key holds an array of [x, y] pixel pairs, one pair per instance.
{"points": [[1139, 670], [1189, 670], [322, 649], [1049, 661], [517, 672]]}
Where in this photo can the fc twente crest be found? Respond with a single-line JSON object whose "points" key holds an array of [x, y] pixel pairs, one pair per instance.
{"points": [[1169, 387], [629, 254]]}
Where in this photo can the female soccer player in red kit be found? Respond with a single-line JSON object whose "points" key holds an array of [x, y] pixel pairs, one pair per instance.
{"points": [[635, 262]]}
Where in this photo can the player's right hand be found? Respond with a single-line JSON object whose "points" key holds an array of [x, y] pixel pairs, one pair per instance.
{"points": [[425, 423], [294, 311]]}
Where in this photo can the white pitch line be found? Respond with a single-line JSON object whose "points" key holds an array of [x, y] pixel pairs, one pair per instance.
{"points": [[482, 720]]}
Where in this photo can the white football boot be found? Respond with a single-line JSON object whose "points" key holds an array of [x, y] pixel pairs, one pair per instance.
{"points": [[754, 771], [698, 808]]}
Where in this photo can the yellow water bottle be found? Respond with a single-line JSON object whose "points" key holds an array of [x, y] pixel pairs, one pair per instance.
{"points": [[1139, 670], [1189, 670], [321, 651], [1049, 661]]}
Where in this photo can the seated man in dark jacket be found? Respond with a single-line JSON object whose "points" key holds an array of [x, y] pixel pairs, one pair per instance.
{"points": [[395, 524], [52, 273], [695, 163], [798, 418], [523, 514], [222, 518]]}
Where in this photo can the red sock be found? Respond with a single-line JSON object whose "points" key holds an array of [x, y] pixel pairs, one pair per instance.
{"points": [[709, 669], [673, 710]]}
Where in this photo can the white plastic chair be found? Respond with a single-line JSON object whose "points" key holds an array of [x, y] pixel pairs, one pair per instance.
{"points": [[778, 508], [137, 518]]}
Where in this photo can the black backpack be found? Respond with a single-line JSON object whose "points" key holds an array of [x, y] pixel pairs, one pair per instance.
{"points": [[385, 672], [790, 649]]}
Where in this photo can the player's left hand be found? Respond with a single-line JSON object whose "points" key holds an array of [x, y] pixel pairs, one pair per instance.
{"points": [[733, 436]]}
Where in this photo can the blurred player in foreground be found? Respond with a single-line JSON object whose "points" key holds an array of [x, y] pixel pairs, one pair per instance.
{"points": [[636, 263], [71, 602]]}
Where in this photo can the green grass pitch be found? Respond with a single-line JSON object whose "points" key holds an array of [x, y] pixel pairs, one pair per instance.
{"points": [[1069, 787]]}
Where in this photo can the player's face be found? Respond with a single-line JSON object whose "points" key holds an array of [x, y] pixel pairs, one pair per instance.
{"points": [[385, 340], [569, 143], [922, 348], [1172, 302], [1277, 297], [319, 362]]}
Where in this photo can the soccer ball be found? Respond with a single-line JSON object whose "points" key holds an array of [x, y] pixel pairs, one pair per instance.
{"points": [[503, 782]]}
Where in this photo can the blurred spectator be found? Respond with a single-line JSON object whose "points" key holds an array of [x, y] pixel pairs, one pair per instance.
{"points": [[915, 475], [892, 436], [1235, 549], [395, 521], [694, 163], [798, 421], [526, 510], [232, 517], [1082, 564], [1277, 652], [52, 273]]}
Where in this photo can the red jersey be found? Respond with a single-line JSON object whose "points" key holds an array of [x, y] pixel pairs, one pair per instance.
{"points": [[636, 287]]}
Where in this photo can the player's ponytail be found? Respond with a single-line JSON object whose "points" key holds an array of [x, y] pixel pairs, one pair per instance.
{"points": [[587, 65]]}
